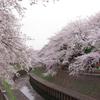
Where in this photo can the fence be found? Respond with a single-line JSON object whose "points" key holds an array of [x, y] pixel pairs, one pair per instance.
{"points": [[52, 91]]}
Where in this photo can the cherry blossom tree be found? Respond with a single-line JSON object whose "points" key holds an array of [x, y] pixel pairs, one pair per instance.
{"points": [[12, 44], [73, 46]]}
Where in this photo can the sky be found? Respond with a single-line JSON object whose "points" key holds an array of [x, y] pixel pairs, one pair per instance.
{"points": [[41, 23]]}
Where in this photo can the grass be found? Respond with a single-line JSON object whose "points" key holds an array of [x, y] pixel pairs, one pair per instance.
{"points": [[10, 94], [48, 78], [39, 72]]}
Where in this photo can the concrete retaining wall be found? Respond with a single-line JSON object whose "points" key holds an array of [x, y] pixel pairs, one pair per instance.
{"points": [[51, 91]]}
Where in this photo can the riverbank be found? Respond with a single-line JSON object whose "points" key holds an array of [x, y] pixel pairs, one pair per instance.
{"points": [[87, 85], [22, 90], [24, 86]]}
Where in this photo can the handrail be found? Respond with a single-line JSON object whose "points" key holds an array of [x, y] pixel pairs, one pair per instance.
{"points": [[56, 91]]}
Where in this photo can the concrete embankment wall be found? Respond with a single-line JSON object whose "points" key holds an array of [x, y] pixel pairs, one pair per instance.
{"points": [[52, 91]]}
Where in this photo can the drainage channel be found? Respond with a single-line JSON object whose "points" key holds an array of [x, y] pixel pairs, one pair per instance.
{"points": [[24, 91]]}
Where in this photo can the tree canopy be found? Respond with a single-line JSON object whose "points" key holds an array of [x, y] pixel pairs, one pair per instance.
{"points": [[12, 43], [73, 46]]}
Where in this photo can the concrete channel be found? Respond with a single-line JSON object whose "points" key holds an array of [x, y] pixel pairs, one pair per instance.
{"points": [[22, 91]]}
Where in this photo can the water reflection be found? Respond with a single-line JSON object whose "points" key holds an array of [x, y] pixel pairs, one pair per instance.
{"points": [[24, 86], [25, 90]]}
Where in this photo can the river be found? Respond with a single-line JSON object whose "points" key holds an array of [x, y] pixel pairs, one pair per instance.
{"points": [[24, 86]]}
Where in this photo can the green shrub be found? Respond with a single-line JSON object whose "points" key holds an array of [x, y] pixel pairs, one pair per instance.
{"points": [[88, 49], [39, 72], [9, 91], [48, 77]]}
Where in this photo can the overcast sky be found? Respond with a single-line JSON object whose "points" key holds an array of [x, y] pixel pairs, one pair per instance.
{"points": [[42, 22]]}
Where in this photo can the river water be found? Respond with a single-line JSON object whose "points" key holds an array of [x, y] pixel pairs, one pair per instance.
{"points": [[24, 86], [26, 91]]}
